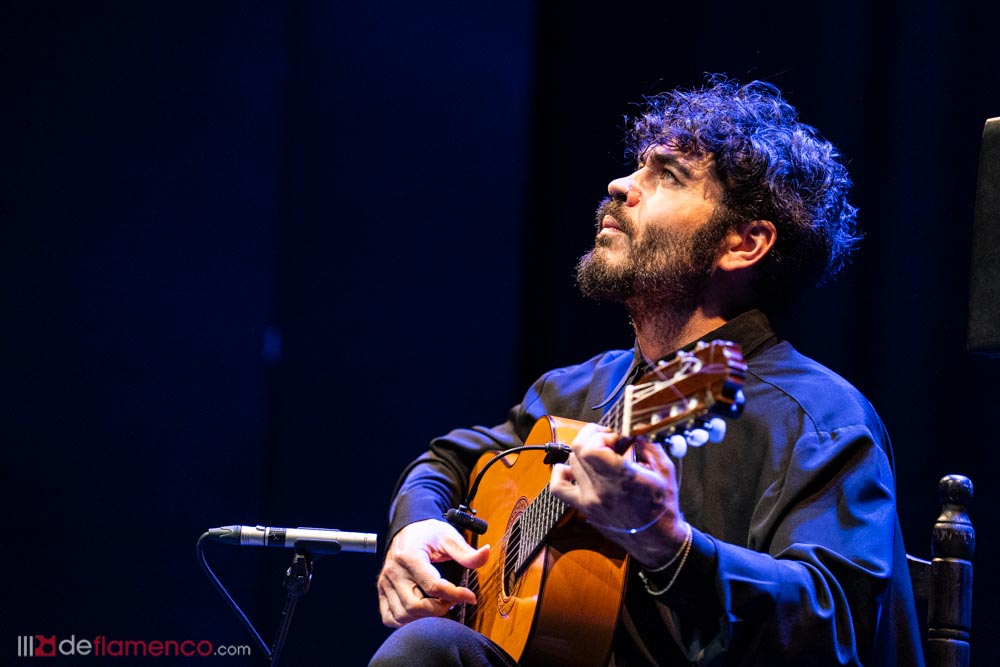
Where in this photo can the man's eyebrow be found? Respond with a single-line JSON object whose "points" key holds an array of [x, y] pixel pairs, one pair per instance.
{"points": [[664, 159]]}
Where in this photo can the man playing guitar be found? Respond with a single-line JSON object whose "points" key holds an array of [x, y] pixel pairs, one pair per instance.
{"points": [[778, 545]]}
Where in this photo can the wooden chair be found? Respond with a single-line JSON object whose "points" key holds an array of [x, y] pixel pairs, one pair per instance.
{"points": [[945, 581]]}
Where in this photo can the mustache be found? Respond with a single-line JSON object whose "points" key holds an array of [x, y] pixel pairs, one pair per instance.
{"points": [[615, 209]]}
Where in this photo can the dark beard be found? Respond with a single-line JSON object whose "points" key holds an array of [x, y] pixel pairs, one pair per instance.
{"points": [[663, 269]]}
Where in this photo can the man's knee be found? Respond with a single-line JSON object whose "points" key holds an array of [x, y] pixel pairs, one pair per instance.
{"points": [[437, 641]]}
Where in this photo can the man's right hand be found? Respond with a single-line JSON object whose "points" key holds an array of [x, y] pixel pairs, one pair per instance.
{"points": [[410, 587]]}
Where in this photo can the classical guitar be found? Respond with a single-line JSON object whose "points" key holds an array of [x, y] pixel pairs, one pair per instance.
{"points": [[552, 590]]}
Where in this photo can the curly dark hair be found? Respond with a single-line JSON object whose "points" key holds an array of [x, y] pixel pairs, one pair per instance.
{"points": [[771, 166]]}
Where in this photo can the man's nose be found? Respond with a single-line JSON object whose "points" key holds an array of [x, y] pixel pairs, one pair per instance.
{"points": [[623, 189]]}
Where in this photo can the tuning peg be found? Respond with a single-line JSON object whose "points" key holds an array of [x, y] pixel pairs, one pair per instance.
{"points": [[678, 446], [696, 437], [716, 428]]}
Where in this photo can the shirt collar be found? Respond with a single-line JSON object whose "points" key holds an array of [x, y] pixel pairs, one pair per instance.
{"points": [[750, 330]]}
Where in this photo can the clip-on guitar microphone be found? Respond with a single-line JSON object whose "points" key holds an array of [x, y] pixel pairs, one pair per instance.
{"points": [[463, 518]]}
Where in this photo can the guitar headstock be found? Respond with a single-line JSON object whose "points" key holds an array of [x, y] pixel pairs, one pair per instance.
{"points": [[686, 395]]}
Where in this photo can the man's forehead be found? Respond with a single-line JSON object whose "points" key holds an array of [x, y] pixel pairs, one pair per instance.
{"points": [[690, 163], [670, 152]]}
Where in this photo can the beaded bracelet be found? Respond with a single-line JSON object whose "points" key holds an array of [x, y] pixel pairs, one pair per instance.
{"points": [[682, 553]]}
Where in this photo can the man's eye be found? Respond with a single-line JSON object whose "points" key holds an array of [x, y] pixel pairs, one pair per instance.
{"points": [[667, 174]]}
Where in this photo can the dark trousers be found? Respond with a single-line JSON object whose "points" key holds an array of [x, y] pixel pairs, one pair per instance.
{"points": [[439, 642]]}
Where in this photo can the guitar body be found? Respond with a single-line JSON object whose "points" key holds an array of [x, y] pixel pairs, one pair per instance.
{"points": [[563, 607], [552, 589]]}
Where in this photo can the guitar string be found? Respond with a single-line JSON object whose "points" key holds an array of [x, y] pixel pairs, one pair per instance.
{"points": [[530, 525], [488, 581], [534, 532], [487, 573], [612, 419], [527, 542], [614, 415], [494, 584]]}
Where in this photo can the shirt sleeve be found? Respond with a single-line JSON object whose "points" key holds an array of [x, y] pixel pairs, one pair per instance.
{"points": [[811, 587], [439, 478]]}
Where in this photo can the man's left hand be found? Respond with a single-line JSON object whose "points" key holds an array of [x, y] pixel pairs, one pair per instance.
{"points": [[631, 499]]}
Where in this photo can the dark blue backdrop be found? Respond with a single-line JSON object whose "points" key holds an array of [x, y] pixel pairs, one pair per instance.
{"points": [[256, 254]]}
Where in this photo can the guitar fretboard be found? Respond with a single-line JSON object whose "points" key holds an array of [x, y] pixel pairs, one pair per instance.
{"points": [[530, 530], [534, 526], [628, 415]]}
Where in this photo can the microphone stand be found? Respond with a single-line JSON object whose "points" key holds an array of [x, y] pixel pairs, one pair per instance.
{"points": [[298, 577], [297, 580]]}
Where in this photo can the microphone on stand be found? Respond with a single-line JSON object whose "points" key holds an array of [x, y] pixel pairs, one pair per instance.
{"points": [[315, 540], [307, 542]]}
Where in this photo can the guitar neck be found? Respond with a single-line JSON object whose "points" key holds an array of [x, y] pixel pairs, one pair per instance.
{"points": [[543, 513], [537, 541], [670, 394], [534, 525]]}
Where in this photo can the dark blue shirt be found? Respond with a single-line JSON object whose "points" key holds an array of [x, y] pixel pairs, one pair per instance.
{"points": [[797, 557]]}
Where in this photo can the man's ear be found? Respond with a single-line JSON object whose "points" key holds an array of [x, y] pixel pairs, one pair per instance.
{"points": [[746, 244]]}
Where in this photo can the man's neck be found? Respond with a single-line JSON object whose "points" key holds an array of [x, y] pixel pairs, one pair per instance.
{"points": [[661, 332]]}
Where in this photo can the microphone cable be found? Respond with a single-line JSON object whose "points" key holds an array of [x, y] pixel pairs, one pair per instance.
{"points": [[200, 550]]}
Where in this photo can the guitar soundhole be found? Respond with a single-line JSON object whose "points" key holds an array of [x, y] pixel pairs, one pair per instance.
{"points": [[511, 556]]}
